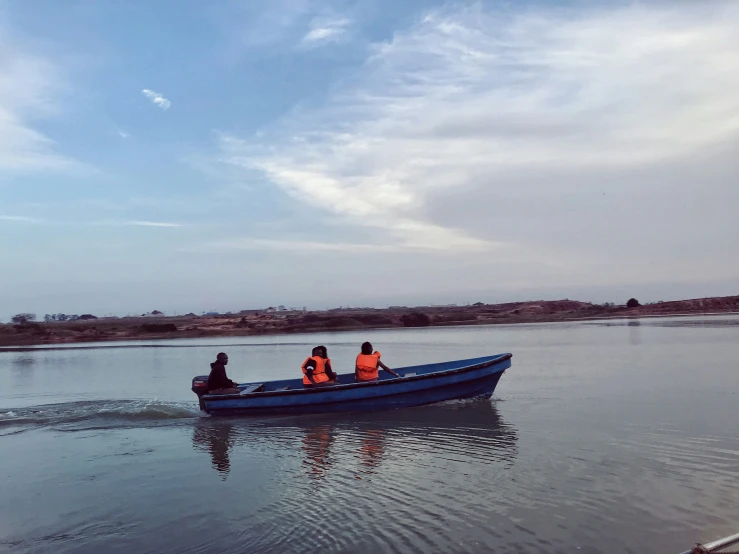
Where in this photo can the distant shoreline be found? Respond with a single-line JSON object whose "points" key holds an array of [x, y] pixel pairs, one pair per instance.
{"points": [[270, 323]]}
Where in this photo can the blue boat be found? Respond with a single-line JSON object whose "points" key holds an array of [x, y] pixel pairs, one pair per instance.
{"points": [[418, 385], [716, 547]]}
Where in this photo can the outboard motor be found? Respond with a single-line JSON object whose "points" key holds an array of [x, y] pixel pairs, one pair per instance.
{"points": [[200, 387]]}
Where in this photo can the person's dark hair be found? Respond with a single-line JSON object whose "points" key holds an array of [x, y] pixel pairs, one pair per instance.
{"points": [[221, 356], [367, 348], [317, 351], [324, 351]]}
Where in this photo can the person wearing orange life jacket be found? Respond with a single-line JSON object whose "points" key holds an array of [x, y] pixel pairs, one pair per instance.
{"points": [[327, 362], [316, 372], [368, 364]]}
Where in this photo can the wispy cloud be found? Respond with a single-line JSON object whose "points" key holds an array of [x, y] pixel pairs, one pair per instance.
{"points": [[112, 222], [261, 23], [371, 202], [152, 224], [250, 243], [123, 134], [301, 24], [157, 98], [469, 104], [29, 89], [325, 30], [19, 219]]}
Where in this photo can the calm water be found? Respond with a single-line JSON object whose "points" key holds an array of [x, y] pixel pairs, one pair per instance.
{"points": [[603, 437]]}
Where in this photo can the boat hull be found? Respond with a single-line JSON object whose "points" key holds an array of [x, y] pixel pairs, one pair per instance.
{"points": [[434, 383]]}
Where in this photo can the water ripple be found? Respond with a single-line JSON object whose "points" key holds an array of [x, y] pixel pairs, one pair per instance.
{"points": [[406, 469]]}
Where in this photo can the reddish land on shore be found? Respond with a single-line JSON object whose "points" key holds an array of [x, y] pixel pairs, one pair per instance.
{"points": [[265, 322]]}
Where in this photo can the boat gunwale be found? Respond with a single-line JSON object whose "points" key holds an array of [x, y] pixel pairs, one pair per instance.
{"points": [[346, 386]]}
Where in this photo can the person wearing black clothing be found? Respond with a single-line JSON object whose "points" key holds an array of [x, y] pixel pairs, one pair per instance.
{"points": [[317, 371], [218, 382]]}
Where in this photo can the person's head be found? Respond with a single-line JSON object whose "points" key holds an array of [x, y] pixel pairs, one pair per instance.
{"points": [[317, 351], [222, 358], [324, 351], [367, 348]]}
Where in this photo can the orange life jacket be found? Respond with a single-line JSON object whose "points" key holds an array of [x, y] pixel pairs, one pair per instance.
{"points": [[319, 374], [367, 365]]}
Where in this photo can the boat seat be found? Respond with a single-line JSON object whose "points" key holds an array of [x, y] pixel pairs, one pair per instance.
{"points": [[256, 387], [283, 388]]}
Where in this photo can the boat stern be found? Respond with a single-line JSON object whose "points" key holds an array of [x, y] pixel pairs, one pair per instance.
{"points": [[200, 387]]}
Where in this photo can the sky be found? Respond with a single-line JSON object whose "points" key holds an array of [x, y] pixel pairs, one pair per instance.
{"points": [[184, 156]]}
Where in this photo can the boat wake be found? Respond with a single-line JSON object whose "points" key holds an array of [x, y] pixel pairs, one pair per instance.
{"points": [[95, 414]]}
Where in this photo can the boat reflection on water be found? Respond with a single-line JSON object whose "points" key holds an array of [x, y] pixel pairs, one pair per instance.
{"points": [[371, 450], [360, 443], [316, 446], [471, 430], [216, 437]]}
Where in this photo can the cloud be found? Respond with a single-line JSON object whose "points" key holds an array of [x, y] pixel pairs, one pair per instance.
{"points": [[251, 243], [135, 223], [123, 134], [324, 30], [262, 23], [19, 219], [267, 27], [365, 201], [152, 224], [471, 111], [29, 89], [157, 98]]}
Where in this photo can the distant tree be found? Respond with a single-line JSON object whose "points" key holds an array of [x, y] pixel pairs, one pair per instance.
{"points": [[85, 317], [48, 318], [61, 317], [281, 308], [157, 312], [633, 303], [73, 317], [20, 319]]}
